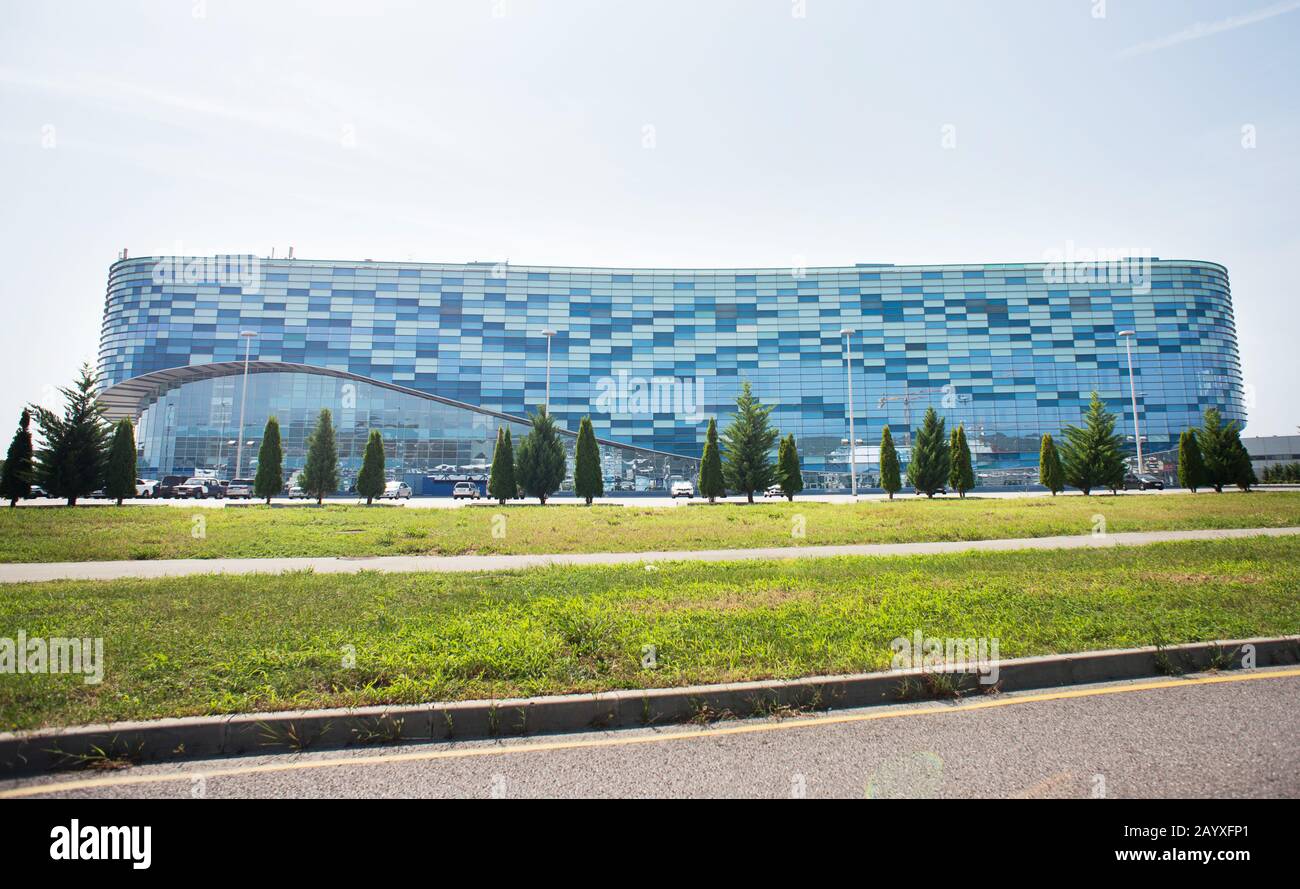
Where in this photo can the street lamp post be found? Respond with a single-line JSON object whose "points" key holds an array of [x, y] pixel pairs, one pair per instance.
{"points": [[248, 336], [1128, 336], [847, 333], [548, 334]]}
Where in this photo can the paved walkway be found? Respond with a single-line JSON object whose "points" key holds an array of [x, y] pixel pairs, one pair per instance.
{"points": [[26, 572]]}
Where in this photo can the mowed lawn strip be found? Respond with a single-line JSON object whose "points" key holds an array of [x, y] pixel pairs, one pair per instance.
{"points": [[109, 533], [214, 644]]}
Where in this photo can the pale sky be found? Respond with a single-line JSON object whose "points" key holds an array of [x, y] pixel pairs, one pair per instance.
{"points": [[695, 133]]}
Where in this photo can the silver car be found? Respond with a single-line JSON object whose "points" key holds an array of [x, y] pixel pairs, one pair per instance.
{"points": [[396, 491]]}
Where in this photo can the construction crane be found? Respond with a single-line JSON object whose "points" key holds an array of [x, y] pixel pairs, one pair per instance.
{"points": [[909, 395]]}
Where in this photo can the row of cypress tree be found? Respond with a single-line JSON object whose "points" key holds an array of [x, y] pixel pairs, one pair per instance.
{"points": [[742, 462], [1282, 473], [80, 451], [80, 454], [1091, 457], [937, 462], [538, 469], [1212, 455]]}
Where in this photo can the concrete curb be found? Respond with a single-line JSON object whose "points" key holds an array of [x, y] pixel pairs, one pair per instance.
{"points": [[25, 753], [37, 572]]}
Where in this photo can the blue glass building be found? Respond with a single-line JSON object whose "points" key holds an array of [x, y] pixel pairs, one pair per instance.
{"points": [[438, 355]]}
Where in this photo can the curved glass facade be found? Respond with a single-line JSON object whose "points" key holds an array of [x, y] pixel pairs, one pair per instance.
{"points": [[192, 426], [1011, 350]]}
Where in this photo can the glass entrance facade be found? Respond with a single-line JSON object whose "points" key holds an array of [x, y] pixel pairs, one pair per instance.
{"points": [[192, 427]]}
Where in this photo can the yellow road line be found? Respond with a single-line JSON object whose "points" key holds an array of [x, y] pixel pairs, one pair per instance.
{"points": [[529, 747]]}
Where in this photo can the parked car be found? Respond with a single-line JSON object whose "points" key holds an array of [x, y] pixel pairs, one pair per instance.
{"points": [[168, 485], [1142, 482], [199, 488], [296, 492], [145, 487], [683, 489], [396, 491], [466, 490], [37, 491], [240, 488], [774, 491]]}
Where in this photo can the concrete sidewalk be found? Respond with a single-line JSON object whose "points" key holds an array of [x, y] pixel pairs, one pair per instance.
{"points": [[29, 572]]}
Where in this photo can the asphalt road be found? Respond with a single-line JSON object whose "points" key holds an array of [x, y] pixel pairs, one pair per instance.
{"points": [[1197, 737]]}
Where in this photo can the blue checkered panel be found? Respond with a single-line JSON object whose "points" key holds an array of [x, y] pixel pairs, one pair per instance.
{"points": [[1010, 350]]}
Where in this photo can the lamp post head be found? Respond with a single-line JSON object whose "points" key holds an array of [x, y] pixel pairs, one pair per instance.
{"points": [[548, 333], [1128, 333], [248, 333], [846, 331]]}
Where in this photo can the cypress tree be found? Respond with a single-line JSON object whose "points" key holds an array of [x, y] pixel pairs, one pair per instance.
{"points": [[501, 483], [370, 480], [588, 479], [961, 475], [1051, 474], [787, 466], [16, 478], [1243, 473], [747, 446], [540, 463], [119, 481], [1218, 457], [1191, 468], [889, 474], [928, 469], [71, 462], [269, 480], [1091, 455], [711, 482], [320, 474]]}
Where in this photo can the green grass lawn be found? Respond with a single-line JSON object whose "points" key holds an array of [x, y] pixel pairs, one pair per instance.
{"points": [[157, 532], [218, 644]]}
